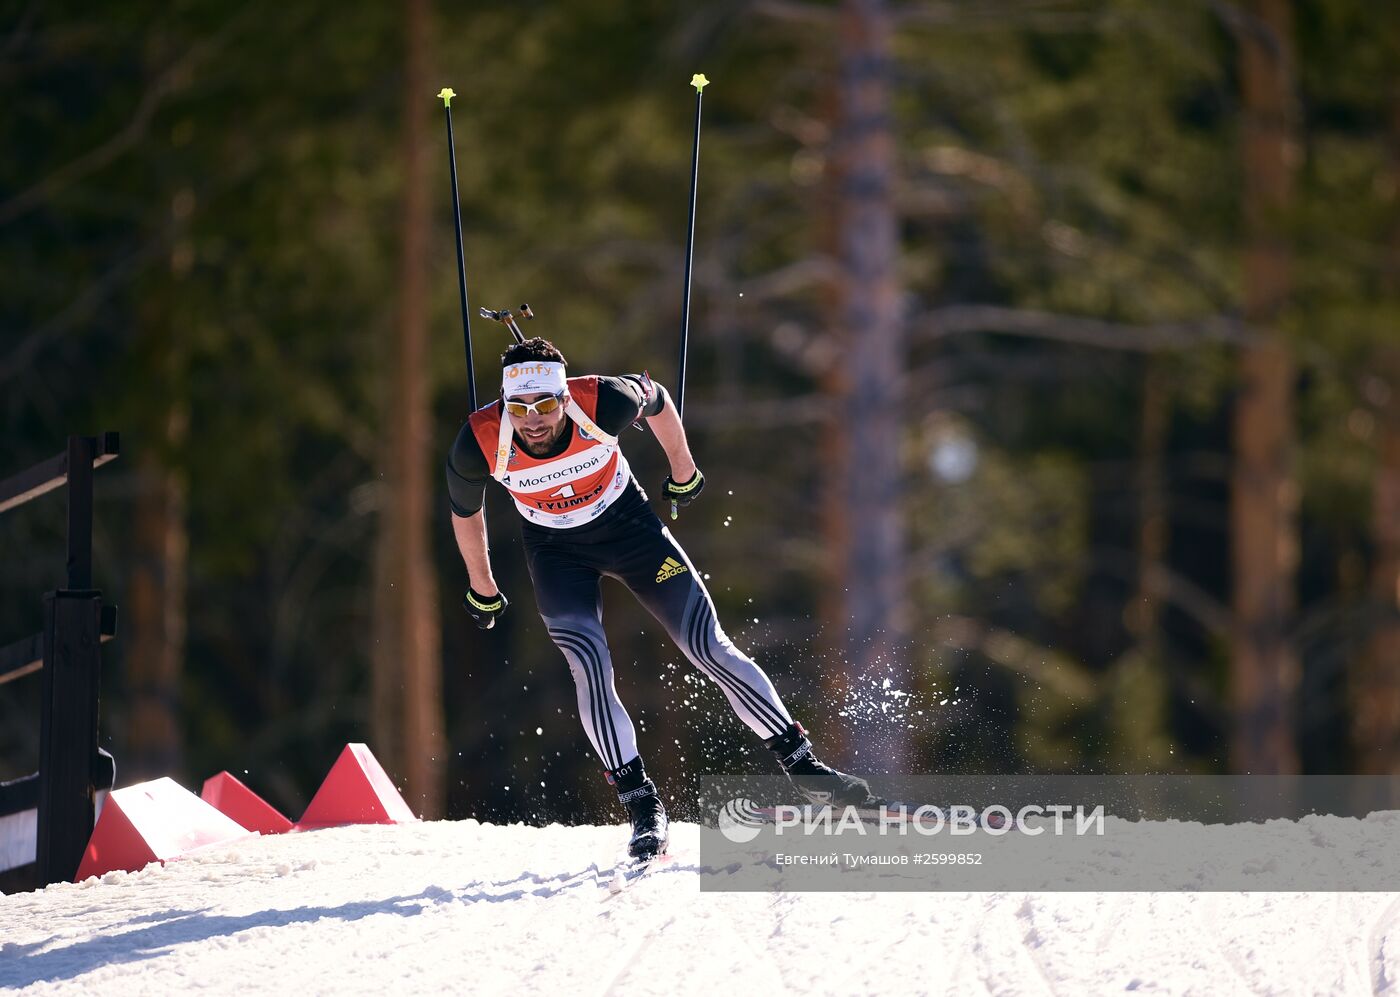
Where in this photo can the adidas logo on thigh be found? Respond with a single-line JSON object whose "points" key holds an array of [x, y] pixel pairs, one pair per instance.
{"points": [[670, 568]]}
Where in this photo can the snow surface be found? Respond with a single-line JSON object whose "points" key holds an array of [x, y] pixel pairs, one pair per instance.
{"points": [[469, 907]]}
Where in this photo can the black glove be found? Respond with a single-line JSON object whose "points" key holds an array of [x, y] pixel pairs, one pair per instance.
{"points": [[484, 608], [684, 494]]}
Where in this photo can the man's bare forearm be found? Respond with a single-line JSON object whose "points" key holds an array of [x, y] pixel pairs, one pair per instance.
{"points": [[471, 541], [666, 424]]}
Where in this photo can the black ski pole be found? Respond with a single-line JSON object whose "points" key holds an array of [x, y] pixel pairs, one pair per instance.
{"points": [[446, 94], [699, 82]]}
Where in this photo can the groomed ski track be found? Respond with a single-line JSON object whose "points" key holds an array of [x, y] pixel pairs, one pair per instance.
{"points": [[458, 907]]}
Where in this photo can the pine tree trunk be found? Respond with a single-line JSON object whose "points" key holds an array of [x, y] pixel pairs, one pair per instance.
{"points": [[862, 515], [1144, 617], [1263, 529], [1376, 677], [1376, 681], [834, 449], [155, 610], [406, 684], [1138, 704], [154, 613]]}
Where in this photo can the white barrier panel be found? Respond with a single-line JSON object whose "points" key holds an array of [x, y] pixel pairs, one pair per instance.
{"points": [[19, 837]]}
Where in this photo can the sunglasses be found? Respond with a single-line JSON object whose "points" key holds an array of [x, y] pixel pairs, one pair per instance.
{"points": [[544, 406]]}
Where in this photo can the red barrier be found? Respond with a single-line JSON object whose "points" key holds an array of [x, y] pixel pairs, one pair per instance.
{"points": [[152, 822], [357, 790], [233, 799]]}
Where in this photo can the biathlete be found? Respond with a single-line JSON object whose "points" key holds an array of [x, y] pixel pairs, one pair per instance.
{"points": [[552, 441]]}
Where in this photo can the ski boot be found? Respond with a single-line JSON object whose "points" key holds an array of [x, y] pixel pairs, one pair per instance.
{"points": [[651, 831], [819, 784]]}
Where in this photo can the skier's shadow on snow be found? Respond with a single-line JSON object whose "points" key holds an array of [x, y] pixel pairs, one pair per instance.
{"points": [[21, 965]]}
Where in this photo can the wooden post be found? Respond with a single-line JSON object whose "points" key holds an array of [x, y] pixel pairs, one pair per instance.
{"points": [[68, 730]]}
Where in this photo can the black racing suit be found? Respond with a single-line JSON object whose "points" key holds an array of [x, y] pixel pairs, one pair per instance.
{"points": [[630, 543]]}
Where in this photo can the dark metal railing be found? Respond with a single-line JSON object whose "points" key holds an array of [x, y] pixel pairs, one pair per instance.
{"points": [[72, 768]]}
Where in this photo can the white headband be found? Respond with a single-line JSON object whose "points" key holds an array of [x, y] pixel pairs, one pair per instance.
{"points": [[533, 377]]}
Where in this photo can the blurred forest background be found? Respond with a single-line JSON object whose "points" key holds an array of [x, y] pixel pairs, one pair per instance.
{"points": [[1045, 367]]}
